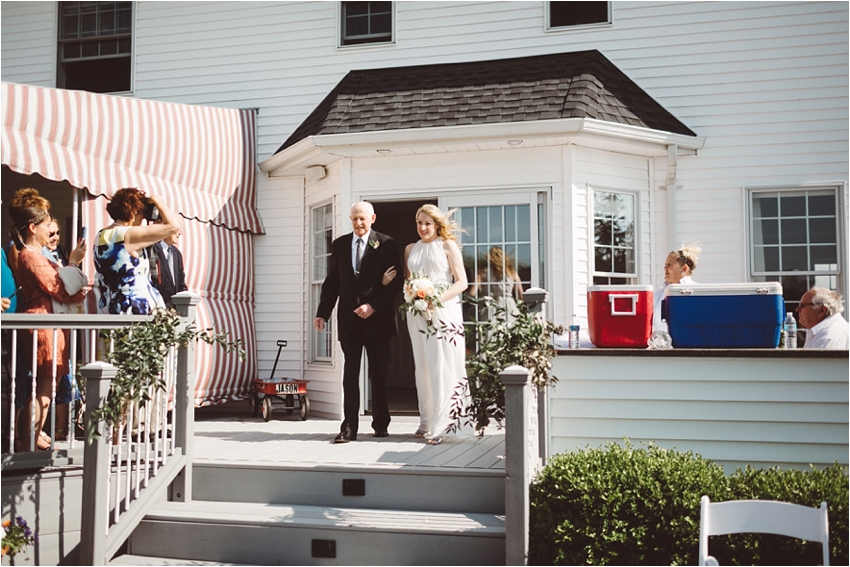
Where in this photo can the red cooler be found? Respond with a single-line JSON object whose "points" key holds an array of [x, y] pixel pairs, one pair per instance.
{"points": [[619, 316]]}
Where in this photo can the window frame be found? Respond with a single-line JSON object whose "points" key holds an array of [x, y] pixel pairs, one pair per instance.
{"points": [[633, 277], [315, 287], [341, 37], [59, 72], [838, 273], [548, 27]]}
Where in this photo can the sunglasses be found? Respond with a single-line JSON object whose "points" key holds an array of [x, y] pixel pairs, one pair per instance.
{"points": [[52, 234]]}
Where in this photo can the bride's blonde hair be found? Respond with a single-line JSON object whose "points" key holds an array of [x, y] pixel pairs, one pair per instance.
{"points": [[447, 228]]}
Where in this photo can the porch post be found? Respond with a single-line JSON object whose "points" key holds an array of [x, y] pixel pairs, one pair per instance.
{"points": [[517, 381], [95, 509], [184, 399], [536, 299]]}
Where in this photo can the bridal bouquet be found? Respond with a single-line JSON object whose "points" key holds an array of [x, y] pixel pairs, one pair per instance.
{"points": [[421, 294]]}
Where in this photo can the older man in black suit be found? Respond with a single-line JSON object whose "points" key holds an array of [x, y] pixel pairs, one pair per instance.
{"points": [[167, 274], [364, 276]]}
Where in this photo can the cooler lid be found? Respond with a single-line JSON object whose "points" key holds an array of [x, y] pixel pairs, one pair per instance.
{"points": [[617, 287], [749, 288]]}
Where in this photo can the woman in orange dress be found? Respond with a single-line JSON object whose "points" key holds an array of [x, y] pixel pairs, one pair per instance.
{"points": [[40, 284]]}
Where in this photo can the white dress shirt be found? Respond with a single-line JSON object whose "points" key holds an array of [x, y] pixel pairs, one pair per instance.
{"points": [[354, 239], [833, 332]]}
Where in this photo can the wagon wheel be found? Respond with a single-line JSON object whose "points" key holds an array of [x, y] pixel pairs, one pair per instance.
{"points": [[290, 404], [305, 407], [267, 408], [255, 404]]}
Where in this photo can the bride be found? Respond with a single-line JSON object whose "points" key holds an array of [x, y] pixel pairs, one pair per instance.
{"points": [[439, 359]]}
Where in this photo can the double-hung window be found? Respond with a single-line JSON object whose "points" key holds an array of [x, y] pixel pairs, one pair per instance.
{"points": [[95, 46], [794, 239], [321, 240], [614, 242], [562, 15], [366, 22]]}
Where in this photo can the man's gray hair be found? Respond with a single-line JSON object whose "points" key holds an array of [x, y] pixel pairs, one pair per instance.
{"points": [[833, 302], [365, 205]]}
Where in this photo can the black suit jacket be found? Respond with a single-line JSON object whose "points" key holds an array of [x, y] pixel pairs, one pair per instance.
{"points": [[353, 291], [167, 283]]}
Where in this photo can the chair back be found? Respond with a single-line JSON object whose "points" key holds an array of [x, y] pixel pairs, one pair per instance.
{"points": [[761, 516]]}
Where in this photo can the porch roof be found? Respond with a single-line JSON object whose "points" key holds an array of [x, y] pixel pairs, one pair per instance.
{"points": [[582, 84]]}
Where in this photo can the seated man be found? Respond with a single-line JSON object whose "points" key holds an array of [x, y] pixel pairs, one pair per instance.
{"points": [[820, 313]]}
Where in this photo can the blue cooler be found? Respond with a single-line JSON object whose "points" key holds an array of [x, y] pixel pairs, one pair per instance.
{"points": [[745, 315]]}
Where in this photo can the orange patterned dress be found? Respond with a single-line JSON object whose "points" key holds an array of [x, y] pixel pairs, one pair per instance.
{"points": [[40, 283]]}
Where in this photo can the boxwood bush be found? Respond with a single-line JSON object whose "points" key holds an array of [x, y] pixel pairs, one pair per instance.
{"points": [[621, 505]]}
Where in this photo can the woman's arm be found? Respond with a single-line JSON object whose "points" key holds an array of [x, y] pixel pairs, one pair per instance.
{"points": [[138, 237], [407, 250], [457, 270], [47, 278], [518, 286]]}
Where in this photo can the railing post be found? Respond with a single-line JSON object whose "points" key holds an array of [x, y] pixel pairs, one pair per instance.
{"points": [[184, 399], [517, 381], [95, 510], [536, 299]]}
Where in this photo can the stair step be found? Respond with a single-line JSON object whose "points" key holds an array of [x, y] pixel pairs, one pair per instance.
{"points": [[141, 560], [278, 534], [352, 486]]}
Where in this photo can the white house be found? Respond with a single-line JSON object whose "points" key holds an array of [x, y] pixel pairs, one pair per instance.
{"points": [[587, 142]]}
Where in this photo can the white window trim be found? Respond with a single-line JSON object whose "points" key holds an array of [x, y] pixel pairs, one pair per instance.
{"points": [[841, 212], [591, 236], [547, 27], [379, 44], [312, 359]]}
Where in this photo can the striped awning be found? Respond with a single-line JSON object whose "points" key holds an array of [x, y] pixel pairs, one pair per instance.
{"points": [[201, 159]]}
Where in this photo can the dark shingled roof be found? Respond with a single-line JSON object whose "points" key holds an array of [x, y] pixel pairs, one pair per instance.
{"points": [[581, 84]]}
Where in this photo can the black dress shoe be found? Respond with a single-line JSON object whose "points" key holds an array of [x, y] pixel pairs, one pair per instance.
{"points": [[381, 433], [345, 436]]}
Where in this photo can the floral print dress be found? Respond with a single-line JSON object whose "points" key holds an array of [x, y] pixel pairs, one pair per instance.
{"points": [[123, 280]]}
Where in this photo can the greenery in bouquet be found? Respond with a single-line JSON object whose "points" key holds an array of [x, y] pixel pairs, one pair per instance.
{"points": [[17, 536], [139, 352], [421, 297], [500, 339]]}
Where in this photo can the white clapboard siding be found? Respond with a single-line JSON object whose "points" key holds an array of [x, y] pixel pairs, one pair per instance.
{"points": [[761, 410]]}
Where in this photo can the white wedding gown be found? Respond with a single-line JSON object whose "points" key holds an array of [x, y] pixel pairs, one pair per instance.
{"points": [[439, 359]]}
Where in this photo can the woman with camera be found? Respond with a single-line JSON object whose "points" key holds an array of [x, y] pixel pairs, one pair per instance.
{"points": [[123, 281]]}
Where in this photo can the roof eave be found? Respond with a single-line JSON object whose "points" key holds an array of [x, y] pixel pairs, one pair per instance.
{"points": [[324, 149]]}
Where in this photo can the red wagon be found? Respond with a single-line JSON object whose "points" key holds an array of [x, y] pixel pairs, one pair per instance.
{"points": [[282, 392]]}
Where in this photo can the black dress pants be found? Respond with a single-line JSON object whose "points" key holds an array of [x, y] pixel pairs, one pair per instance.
{"points": [[378, 353]]}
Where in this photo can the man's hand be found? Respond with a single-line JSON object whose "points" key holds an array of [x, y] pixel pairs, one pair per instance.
{"points": [[319, 324], [364, 311]]}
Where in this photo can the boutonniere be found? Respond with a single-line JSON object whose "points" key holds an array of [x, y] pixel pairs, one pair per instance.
{"points": [[374, 244]]}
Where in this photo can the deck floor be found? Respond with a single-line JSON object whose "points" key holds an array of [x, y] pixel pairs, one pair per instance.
{"points": [[238, 437]]}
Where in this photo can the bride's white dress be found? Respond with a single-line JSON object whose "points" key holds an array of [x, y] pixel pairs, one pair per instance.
{"points": [[439, 359]]}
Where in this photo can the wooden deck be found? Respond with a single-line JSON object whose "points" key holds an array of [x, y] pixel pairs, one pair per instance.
{"points": [[235, 436]]}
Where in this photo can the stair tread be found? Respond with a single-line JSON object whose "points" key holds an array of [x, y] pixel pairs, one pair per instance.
{"points": [[407, 521], [130, 559]]}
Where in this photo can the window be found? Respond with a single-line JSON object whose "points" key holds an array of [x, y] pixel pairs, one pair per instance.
{"points": [[614, 238], [569, 14], [794, 240], [366, 22], [321, 348], [95, 46]]}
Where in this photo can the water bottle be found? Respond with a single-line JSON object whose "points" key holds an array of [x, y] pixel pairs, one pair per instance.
{"points": [[574, 329], [790, 328]]}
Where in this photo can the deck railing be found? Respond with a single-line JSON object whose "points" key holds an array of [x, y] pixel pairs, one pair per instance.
{"points": [[126, 468]]}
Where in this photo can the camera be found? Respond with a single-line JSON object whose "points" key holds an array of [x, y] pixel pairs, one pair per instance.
{"points": [[151, 212]]}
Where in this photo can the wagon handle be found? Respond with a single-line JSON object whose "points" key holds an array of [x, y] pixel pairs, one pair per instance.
{"points": [[280, 345]]}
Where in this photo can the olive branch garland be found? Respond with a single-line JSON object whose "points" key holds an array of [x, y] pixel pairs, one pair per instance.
{"points": [[139, 354]]}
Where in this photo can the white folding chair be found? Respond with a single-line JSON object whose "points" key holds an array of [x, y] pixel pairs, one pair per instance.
{"points": [[761, 516]]}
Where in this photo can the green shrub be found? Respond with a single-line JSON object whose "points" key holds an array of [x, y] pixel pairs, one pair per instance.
{"points": [[620, 505]]}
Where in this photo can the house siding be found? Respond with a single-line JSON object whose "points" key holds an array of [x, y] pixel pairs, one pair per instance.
{"points": [[765, 83]]}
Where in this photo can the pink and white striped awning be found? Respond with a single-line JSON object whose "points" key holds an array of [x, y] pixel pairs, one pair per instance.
{"points": [[201, 160]]}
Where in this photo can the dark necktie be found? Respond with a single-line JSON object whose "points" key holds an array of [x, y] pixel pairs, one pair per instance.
{"points": [[359, 255]]}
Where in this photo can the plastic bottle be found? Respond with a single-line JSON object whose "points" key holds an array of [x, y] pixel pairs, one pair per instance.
{"points": [[790, 328], [574, 332]]}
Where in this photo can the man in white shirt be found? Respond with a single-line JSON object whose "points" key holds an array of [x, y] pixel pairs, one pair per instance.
{"points": [[820, 313]]}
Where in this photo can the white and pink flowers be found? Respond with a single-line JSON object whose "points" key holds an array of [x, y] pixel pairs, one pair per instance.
{"points": [[421, 295]]}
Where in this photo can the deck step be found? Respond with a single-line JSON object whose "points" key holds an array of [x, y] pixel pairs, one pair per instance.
{"points": [[351, 486], [140, 560], [278, 534]]}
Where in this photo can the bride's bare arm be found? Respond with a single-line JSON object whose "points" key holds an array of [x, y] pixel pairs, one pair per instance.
{"points": [[407, 250], [456, 267]]}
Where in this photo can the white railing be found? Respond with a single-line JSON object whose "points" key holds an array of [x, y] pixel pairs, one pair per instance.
{"points": [[130, 466]]}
